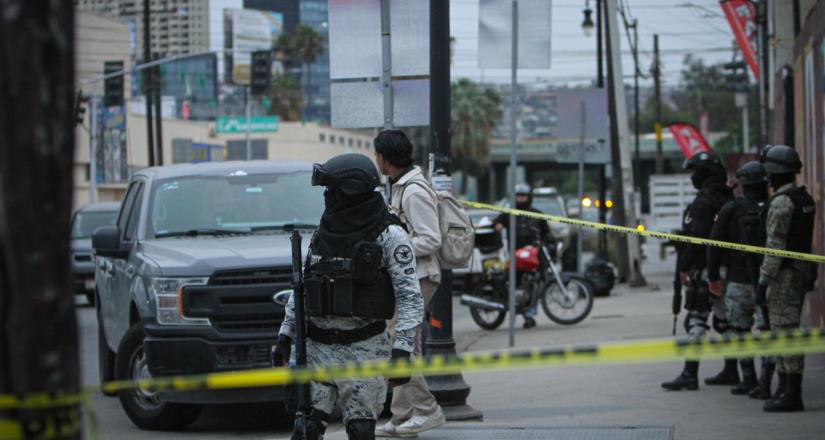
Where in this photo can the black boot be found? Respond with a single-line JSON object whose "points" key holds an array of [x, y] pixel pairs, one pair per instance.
{"points": [[728, 376], [783, 385], [763, 390], [748, 383], [687, 380], [791, 399]]}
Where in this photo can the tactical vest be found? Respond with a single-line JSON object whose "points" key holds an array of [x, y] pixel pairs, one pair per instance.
{"points": [[357, 285], [748, 227], [801, 229]]}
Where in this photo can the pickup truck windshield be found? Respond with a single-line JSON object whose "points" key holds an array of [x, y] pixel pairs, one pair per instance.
{"points": [[242, 203]]}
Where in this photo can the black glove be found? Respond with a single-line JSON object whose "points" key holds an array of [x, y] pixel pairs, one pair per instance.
{"points": [[281, 352], [762, 295], [397, 355]]}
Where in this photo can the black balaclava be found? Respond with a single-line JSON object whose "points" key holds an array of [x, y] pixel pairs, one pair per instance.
{"points": [[347, 219], [705, 177], [524, 205], [757, 191], [780, 180]]}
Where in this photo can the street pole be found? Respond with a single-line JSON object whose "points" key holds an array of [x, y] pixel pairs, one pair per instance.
{"points": [[93, 145], [745, 127], [583, 132], [386, 76], [147, 83], [248, 105], [602, 207], [39, 337], [761, 19], [599, 50], [513, 140], [657, 84], [637, 168], [450, 391], [156, 83]]}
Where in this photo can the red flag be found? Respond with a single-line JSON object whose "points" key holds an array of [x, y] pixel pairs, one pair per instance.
{"points": [[741, 15], [689, 139]]}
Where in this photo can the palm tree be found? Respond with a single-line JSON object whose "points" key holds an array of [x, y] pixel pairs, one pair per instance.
{"points": [[475, 112], [286, 97]]}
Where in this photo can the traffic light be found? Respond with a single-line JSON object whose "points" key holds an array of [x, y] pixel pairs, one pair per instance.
{"points": [[80, 101], [113, 87], [260, 72], [736, 76]]}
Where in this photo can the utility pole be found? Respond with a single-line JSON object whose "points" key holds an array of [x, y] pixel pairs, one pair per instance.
{"points": [[450, 391], [38, 328], [513, 140], [582, 134], [248, 111], [147, 82], [599, 41], [93, 109], [657, 85], [600, 84], [624, 195], [762, 45]]}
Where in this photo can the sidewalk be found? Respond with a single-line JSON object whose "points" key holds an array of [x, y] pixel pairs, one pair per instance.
{"points": [[596, 401]]}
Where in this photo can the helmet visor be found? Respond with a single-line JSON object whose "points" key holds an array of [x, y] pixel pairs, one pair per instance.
{"points": [[320, 176]]}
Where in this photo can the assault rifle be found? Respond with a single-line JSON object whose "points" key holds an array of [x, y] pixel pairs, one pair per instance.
{"points": [[301, 390]]}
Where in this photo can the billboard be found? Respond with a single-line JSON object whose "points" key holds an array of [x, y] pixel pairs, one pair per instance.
{"points": [[248, 30]]}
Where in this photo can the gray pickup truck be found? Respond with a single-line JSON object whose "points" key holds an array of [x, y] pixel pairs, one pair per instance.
{"points": [[194, 277]]}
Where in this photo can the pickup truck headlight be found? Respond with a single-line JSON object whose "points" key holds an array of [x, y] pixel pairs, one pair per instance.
{"points": [[167, 293]]}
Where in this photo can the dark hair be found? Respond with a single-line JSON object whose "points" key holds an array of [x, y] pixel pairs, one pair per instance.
{"points": [[395, 146]]}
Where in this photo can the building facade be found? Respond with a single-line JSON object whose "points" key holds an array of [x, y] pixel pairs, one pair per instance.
{"points": [[315, 77]]}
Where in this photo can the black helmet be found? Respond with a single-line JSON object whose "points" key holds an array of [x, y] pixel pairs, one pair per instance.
{"points": [[523, 188], [752, 173], [780, 159], [351, 173], [704, 160]]}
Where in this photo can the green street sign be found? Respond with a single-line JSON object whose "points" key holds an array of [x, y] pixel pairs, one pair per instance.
{"points": [[237, 124]]}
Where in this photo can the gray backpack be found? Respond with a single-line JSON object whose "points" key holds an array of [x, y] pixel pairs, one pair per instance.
{"points": [[457, 234]]}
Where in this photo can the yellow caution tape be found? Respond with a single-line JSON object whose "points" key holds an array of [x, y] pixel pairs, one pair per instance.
{"points": [[653, 234], [774, 343]]}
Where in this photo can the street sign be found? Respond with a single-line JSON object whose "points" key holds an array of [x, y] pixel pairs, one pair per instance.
{"points": [[357, 63], [237, 124], [495, 31]]}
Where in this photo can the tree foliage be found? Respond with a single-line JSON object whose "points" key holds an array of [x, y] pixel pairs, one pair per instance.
{"points": [[286, 98], [475, 111]]}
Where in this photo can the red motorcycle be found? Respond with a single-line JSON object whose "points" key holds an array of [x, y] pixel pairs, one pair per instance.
{"points": [[567, 298]]}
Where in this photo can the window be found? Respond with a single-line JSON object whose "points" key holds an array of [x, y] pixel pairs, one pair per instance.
{"points": [[349, 142], [134, 215], [322, 137], [341, 140], [127, 202]]}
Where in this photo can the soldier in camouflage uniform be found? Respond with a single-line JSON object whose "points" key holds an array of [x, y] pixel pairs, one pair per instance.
{"points": [[741, 221], [708, 176], [356, 227], [783, 282]]}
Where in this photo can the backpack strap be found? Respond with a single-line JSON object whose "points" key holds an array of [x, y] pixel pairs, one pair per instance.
{"points": [[418, 182]]}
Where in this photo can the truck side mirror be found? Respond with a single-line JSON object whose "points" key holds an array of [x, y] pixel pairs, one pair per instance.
{"points": [[106, 243]]}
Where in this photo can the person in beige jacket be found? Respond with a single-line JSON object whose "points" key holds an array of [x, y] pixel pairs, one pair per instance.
{"points": [[414, 409]]}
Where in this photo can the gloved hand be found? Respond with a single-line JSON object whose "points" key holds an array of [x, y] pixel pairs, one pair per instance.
{"points": [[762, 295], [282, 350], [397, 355], [716, 288], [684, 278]]}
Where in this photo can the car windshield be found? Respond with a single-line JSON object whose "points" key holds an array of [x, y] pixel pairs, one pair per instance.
{"points": [[234, 203], [548, 205], [85, 223]]}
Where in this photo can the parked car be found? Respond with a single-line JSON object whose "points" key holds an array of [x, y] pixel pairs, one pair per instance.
{"points": [[194, 278], [84, 223]]}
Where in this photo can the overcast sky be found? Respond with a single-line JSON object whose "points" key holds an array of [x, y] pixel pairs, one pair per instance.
{"points": [[684, 26]]}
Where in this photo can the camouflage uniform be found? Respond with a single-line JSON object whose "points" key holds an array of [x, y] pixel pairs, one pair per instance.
{"points": [[362, 398], [785, 294]]}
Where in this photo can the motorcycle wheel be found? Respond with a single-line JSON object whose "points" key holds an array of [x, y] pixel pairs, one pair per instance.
{"points": [[487, 319], [562, 310]]}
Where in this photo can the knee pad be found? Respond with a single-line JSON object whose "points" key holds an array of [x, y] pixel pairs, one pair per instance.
{"points": [[721, 325], [361, 429], [316, 426]]}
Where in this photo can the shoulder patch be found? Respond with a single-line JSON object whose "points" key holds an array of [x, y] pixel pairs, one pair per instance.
{"points": [[403, 254]]}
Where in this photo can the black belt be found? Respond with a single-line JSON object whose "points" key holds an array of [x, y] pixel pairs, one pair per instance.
{"points": [[345, 337]]}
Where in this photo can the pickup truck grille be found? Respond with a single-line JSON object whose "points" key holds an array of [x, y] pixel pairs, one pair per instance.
{"points": [[240, 301], [270, 275]]}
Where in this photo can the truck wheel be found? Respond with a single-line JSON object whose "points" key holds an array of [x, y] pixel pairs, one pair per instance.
{"points": [[144, 407], [105, 357]]}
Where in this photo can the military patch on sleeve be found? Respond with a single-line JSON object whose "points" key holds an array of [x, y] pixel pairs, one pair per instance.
{"points": [[409, 271], [403, 254]]}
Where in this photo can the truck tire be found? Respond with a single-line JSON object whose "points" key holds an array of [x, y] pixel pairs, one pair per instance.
{"points": [[144, 407], [105, 357]]}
